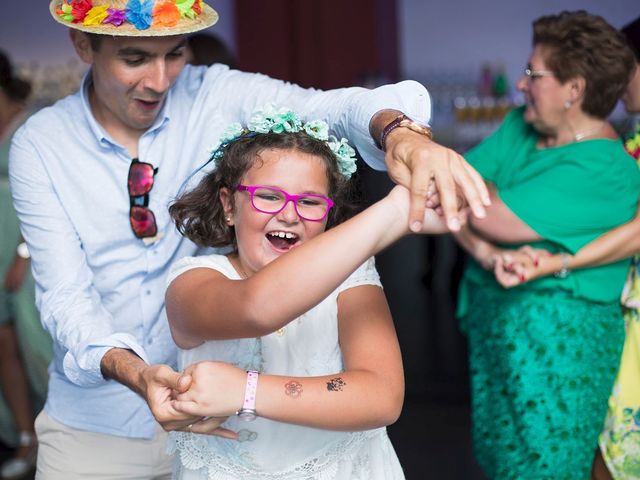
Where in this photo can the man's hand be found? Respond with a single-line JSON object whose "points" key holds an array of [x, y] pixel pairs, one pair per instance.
{"points": [[162, 385], [158, 385], [425, 167]]}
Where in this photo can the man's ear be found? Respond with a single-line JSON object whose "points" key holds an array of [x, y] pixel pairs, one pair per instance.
{"points": [[82, 44]]}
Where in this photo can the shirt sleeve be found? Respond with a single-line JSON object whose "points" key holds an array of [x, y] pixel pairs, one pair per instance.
{"points": [[348, 111], [70, 307]]}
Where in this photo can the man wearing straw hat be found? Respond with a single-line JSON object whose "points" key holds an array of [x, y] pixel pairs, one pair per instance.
{"points": [[92, 177]]}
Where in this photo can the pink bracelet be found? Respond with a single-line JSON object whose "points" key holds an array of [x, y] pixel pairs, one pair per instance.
{"points": [[248, 410]]}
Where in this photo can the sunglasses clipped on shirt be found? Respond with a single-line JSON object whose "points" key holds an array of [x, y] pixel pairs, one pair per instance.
{"points": [[140, 183]]}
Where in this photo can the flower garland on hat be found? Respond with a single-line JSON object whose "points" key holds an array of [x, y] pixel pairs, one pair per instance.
{"points": [[139, 13], [271, 120]]}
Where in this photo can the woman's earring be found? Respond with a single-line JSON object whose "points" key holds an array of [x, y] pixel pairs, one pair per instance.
{"points": [[567, 104]]}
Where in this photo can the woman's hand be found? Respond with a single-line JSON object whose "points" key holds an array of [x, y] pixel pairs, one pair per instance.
{"points": [[515, 267], [217, 390]]}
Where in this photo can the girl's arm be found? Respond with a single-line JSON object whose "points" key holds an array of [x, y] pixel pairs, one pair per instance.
{"points": [[368, 394], [203, 304]]}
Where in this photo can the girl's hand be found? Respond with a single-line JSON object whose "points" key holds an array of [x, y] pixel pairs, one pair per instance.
{"points": [[433, 223], [217, 390]]}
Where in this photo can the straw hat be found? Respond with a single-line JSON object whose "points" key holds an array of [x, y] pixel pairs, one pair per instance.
{"points": [[134, 18]]}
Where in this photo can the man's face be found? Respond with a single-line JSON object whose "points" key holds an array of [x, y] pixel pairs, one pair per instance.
{"points": [[131, 78]]}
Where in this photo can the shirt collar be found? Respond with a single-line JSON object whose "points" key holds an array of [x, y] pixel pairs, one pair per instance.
{"points": [[99, 132]]}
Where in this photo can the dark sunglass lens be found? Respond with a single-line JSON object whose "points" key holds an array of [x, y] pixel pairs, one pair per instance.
{"points": [[140, 179], [143, 222]]}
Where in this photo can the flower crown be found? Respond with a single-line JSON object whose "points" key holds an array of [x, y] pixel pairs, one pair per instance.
{"points": [[271, 120]]}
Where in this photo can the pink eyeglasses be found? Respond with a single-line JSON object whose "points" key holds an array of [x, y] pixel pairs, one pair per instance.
{"points": [[313, 208]]}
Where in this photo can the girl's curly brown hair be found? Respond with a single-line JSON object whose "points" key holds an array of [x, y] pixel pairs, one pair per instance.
{"points": [[199, 214]]}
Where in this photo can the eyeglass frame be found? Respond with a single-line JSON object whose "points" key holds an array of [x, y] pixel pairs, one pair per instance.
{"points": [[287, 198], [141, 202], [532, 75]]}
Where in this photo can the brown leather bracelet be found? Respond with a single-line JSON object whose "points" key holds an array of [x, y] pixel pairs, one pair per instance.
{"points": [[403, 121]]}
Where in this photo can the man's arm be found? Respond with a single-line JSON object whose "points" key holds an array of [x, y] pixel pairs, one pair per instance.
{"points": [[360, 114], [425, 167]]}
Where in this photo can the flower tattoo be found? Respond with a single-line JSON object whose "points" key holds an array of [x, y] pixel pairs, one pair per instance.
{"points": [[335, 384], [293, 389]]}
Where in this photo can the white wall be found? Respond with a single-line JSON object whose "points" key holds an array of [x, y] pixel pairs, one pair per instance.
{"points": [[460, 35]]}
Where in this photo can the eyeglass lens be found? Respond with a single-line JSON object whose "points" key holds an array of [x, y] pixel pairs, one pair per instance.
{"points": [[309, 207], [140, 183]]}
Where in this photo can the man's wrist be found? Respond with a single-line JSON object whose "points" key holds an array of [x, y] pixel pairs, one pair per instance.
{"points": [[380, 120]]}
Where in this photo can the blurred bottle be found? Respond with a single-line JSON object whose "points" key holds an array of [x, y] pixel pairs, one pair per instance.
{"points": [[500, 83], [485, 85]]}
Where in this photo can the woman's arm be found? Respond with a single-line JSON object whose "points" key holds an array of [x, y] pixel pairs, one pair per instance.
{"points": [[481, 250], [368, 394], [203, 304], [617, 244], [501, 224]]}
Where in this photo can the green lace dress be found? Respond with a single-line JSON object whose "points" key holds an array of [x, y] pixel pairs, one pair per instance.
{"points": [[543, 356]]}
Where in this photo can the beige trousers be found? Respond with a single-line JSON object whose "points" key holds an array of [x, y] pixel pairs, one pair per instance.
{"points": [[65, 453]]}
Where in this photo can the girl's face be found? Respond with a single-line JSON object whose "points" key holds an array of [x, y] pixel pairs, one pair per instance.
{"points": [[544, 95], [260, 235], [631, 98]]}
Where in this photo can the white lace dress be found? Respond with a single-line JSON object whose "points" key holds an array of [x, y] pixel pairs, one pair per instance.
{"points": [[269, 450]]}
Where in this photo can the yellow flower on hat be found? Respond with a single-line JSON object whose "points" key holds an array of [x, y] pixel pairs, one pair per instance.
{"points": [[96, 15], [166, 14], [186, 8]]}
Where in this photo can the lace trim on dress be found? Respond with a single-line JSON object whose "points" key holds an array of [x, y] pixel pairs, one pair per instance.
{"points": [[195, 453]]}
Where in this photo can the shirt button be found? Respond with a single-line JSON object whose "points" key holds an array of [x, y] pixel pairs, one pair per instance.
{"points": [[150, 341], [148, 292]]}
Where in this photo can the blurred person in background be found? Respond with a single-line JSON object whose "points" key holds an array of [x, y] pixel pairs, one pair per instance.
{"points": [[207, 49], [619, 454], [21, 336], [543, 356]]}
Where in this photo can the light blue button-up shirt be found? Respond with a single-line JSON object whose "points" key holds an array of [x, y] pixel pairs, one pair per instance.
{"points": [[98, 286]]}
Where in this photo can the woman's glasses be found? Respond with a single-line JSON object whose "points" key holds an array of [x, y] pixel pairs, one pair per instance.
{"points": [[533, 74], [140, 183], [273, 200]]}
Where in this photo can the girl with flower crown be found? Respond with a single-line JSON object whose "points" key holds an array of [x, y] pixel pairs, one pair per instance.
{"points": [[291, 328]]}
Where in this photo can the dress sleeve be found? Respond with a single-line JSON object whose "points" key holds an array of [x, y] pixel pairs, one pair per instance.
{"points": [[569, 199], [214, 262], [366, 274]]}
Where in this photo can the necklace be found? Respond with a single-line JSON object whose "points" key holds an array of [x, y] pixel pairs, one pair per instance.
{"points": [[588, 132]]}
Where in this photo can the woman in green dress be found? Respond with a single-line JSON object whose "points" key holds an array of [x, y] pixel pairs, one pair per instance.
{"points": [[543, 356], [619, 454]]}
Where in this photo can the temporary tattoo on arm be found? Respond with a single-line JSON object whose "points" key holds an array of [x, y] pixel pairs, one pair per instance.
{"points": [[335, 384], [293, 389]]}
